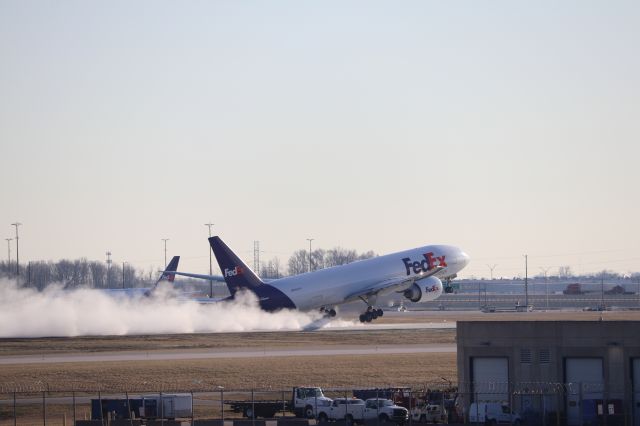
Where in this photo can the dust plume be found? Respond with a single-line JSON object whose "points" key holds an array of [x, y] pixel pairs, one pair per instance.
{"points": [[55, 311]]}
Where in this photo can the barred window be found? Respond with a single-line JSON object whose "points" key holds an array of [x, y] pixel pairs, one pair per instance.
{"points": [[544, 356], [525, 356]]}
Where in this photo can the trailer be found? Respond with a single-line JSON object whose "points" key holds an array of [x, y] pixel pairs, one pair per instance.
{"points": [[304, 402], [115, 408], [153, 406], [254, 409], [167, 406]]}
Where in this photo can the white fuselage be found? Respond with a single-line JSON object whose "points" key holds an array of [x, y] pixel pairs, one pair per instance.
{"points": [[336, 285]]}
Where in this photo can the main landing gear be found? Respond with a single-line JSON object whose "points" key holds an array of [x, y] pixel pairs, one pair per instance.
{"points": [[328, 312], [370, 314]]}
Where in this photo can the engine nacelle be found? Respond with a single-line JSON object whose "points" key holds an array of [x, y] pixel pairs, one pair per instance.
{"points": [[424, 290]]}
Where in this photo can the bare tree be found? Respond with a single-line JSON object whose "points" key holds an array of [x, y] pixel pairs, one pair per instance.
{"points": [[317, 259], [64, 272], [339, 256], [367, 255], [98, 274], [299, 262], [565, 272]]}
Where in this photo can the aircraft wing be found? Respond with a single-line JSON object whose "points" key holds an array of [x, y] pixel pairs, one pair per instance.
{"points": [[219, 278], [393, 284]]}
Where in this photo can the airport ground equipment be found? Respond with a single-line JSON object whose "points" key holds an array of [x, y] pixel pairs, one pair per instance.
{"points": [[304, 402], [153, 406], [429, 413], [399, 395], [493, 413]]}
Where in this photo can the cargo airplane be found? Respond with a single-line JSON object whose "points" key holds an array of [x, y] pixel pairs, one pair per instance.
{"points": [[167, 275], [417, 274]]}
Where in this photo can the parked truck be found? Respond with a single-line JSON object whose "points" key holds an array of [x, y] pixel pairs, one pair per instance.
{"points": [[350, 410], [304, 402], [355, 410]]}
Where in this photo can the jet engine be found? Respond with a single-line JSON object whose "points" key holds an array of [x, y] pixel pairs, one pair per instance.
{"points": [[424, 290]]}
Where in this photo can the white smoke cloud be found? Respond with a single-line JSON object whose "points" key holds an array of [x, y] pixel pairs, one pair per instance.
{"points": [[25, 312]]}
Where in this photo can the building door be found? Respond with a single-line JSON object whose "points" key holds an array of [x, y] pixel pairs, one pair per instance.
{"points": [[490, 379], [635, 370], [585, 383]]}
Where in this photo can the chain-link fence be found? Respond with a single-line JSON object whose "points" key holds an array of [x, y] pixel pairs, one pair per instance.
{"points": [[486, 403]]}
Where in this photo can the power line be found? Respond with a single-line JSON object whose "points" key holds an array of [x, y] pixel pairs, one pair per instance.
{"points": [[491, 268], [17, 249]]}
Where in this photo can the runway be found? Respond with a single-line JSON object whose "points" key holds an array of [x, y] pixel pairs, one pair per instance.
{"points": [[229, 353]]}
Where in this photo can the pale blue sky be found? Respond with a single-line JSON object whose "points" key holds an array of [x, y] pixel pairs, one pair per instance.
{"points": [[501, 127]]}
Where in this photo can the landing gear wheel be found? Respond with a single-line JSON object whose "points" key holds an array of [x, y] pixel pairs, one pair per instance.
{"points": [[380, 312], [363, 318], [374, 314], [332, 313], [368, 317]]}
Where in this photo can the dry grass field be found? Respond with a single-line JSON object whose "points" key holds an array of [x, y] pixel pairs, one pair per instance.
{"points": [[243, 373], [272, 372]]}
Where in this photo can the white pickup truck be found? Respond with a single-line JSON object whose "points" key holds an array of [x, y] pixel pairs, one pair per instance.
{"points": [[385, 410], [349, 409], [354, 410]]}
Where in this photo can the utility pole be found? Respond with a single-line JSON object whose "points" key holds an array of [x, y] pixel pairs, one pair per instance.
{"points": [[310, 239], [17, 249], [108, 253], [546, 284], [209, 225], [9, 252], [602, 290], [165, 250], [526, 282], [491, 268]]}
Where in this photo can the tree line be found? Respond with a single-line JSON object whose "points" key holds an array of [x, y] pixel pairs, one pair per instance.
{"points": [[97, 274], [75, 274]]}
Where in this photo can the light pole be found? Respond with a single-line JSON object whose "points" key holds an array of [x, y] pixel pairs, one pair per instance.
{"points": [[545, 271], [526, 282], [108, 254], [310, 239], [602, 290], [210, 264], [17, 249], [165, 250], [491, 268], [9, 252]]}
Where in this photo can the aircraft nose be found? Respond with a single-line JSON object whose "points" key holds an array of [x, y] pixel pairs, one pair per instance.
{"points": [[465, 258]]}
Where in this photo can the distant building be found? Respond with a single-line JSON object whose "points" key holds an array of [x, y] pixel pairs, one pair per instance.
{"points": [[567, 372]]}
